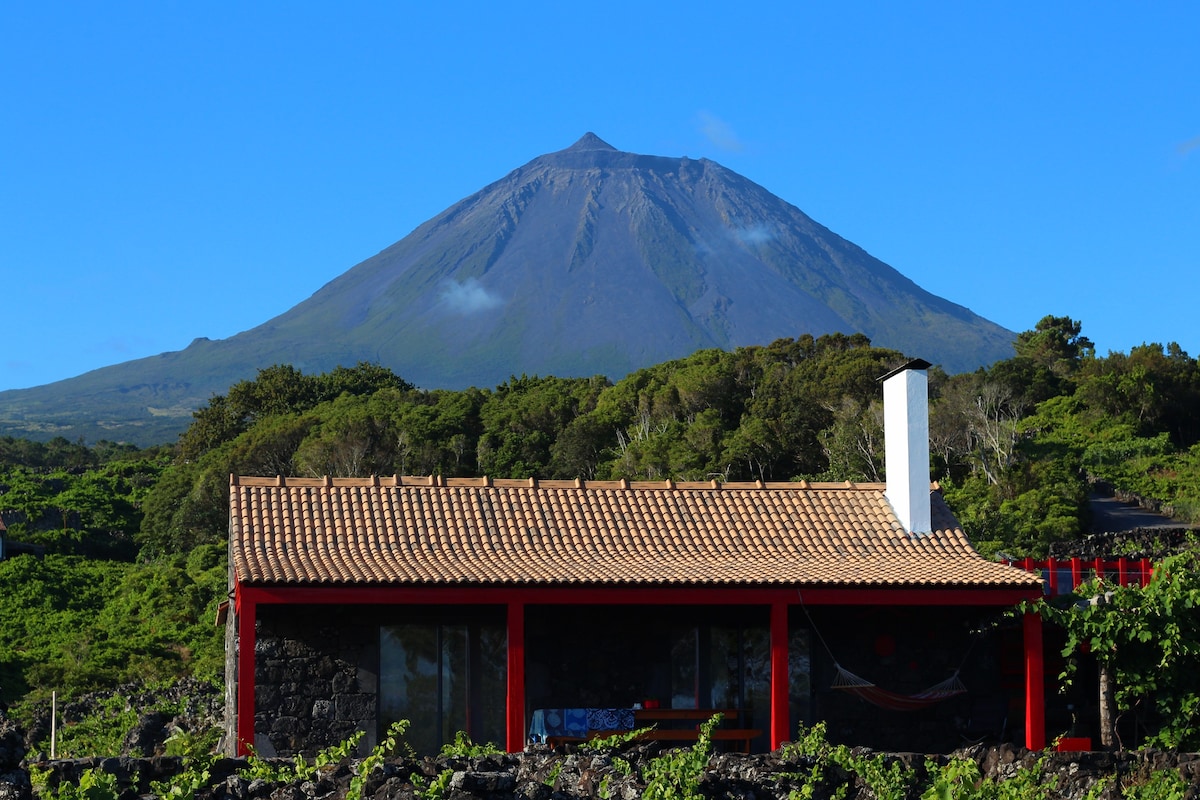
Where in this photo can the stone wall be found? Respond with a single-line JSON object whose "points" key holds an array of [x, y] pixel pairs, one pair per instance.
{"points": [[196, 708], [1152, 543], [542, 774], [315, 669], [14, 780]]}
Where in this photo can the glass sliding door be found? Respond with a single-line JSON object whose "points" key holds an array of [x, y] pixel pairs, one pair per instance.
{"points": [[489, 684], [444, 677], [738, 660], [409, 675], [685, 677], [684, 657], [800, 691]]}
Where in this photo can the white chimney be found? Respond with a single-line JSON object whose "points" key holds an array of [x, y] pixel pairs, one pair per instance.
{"points": [[906, 442]]}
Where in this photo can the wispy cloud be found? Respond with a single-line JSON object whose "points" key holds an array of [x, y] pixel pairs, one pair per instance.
{"points": [[1187, 147], [468, 297], [754, 234], [719, 132]]}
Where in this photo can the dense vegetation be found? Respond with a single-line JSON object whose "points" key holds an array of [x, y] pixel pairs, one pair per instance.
{"points": [[809, 768], [134, 539], [1146, 644]]}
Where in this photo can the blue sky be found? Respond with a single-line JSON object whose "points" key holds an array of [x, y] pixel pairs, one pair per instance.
{"points": [[171, 170]]}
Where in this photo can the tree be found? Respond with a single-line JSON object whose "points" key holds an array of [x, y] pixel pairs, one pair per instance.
{"points": [[1056, 343], [1146, 642], [975, 423], [278, 390], [853, 444], [524, 417], [363, 379], [1152, 388], [577, 451]]}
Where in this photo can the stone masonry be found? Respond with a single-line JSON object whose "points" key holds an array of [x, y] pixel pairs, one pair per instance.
{"points": [[315, 670]]}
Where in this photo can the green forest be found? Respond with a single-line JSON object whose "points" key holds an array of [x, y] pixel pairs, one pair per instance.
{"points": [[134, 539]]}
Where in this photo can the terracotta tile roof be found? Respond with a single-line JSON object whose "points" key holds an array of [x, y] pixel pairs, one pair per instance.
{"points": [[422, 531]]}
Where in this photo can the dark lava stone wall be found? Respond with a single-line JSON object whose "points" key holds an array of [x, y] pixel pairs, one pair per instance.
{"points": [[316, 678]]}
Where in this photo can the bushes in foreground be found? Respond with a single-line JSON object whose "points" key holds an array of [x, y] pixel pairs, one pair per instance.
{"points": [[809, 769]]}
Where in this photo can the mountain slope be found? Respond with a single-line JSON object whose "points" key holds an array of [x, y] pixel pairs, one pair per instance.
{"points": [[584, 261]]}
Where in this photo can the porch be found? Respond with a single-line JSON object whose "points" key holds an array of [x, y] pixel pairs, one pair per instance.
{"points": [[442, 659]]}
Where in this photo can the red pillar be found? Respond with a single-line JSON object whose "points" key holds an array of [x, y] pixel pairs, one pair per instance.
{"points": [[515, 724], [780, 717], [1035, 691], [246, 610]]}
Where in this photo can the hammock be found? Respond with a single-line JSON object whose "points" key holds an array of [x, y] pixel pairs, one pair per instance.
{"points": [[893, 701]]}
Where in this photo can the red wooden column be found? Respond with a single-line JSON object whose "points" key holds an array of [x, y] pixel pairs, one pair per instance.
{"points": [[1035, 691], [515, 724], [246, 610], [780, 717]]}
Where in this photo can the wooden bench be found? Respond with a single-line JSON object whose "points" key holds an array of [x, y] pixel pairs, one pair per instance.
{"points": [[677, 725]]}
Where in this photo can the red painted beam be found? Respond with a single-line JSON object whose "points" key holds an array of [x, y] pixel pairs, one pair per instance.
{"points": [[246, 610], [515, 709], [1035, 691], [780, 716]]}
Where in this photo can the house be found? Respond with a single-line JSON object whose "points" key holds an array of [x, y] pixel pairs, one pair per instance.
{"points": [[503, 607]]}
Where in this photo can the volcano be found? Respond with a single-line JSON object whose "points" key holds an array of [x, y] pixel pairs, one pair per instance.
{"points": [[584, 261]]}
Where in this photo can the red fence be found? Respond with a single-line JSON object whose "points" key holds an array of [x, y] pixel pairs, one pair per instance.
{"points": [[1063, 575]]}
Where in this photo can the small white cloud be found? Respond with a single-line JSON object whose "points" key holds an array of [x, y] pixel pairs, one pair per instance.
{"points": [[755, 234], [468, 297], [719, 132]]}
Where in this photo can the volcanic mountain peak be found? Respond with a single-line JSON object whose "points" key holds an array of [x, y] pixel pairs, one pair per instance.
{"points": [[584, 261], [590, 141]]}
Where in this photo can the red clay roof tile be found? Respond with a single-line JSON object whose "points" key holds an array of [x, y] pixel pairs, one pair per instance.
{"points": [[420, 531]]}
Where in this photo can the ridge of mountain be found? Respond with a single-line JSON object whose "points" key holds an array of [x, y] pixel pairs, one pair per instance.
{"points": [[587, 260]]}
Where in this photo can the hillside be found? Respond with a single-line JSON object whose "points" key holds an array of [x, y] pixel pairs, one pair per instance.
{"points": [[134, 560], [586, 261]]}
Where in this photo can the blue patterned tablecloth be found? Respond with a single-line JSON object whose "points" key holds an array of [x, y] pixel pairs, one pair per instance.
{"points": [[577, 722]]}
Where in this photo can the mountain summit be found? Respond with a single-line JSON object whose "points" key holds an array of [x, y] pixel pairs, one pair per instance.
{"points": [[590, 141], [588, 260], [591, 260]]}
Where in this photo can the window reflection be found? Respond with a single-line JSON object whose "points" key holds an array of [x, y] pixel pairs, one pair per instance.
{"points": [[679, 657], [444, 677]]}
